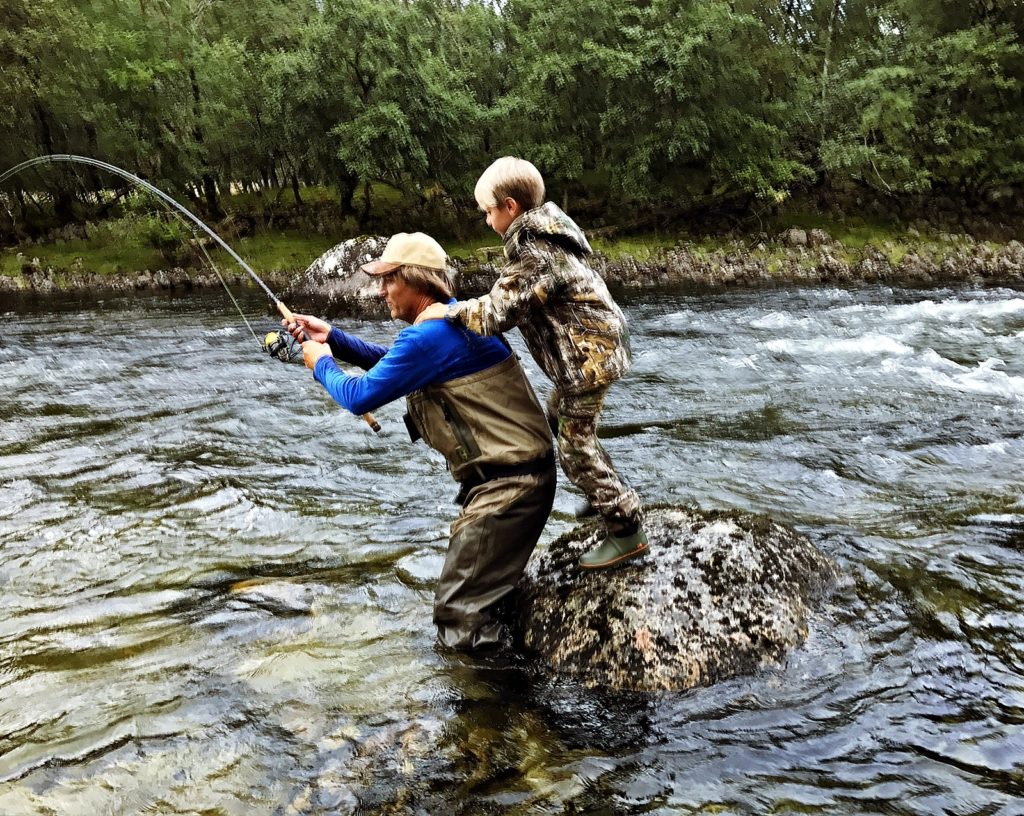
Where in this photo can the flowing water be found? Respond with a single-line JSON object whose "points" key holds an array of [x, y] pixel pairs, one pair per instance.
{"points": [[217, 585]]}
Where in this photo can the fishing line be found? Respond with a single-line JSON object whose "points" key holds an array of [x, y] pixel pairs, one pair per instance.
{"points": [[212, 265], [182, 211], [66, 157], [167, 199], [224, 283]]}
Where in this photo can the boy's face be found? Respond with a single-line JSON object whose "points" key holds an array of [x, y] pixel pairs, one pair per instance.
{"points": [[500, 217]]}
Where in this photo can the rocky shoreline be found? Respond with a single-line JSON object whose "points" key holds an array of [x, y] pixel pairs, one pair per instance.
{"points": [[796, 257]]}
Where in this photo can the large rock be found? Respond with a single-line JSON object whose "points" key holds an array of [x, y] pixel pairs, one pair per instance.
{"points": [[335, 285], [719, 594]]}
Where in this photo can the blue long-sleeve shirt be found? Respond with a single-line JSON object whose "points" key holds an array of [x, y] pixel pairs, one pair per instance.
{"points": [[432, 352]]}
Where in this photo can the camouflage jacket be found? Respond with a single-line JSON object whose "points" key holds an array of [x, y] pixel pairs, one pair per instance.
{"points": [[573, 328]]}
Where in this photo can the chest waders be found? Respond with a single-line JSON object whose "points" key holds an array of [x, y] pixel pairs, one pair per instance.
{"points": [[495, 439]]}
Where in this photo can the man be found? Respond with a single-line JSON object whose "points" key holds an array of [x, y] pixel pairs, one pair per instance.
{"points": [[468, 398], [574, 330]]}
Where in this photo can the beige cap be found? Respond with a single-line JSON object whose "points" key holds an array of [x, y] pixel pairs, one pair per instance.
{"points": [[414, 248]]}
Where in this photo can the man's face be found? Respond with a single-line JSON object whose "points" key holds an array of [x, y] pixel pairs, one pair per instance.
{"points": [[500, 217], [402, 299]]}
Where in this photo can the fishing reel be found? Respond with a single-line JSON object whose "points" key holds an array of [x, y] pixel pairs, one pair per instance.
{"points": [[283, 346]]}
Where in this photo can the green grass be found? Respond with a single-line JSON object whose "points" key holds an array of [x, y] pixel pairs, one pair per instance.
{"points": [[895, 252], [254, 202], [291, 251], [380, 195], [121, 246], [105, 259], [272, 252], [853, 233], [277, 252], [471, 246], [640, 247]]}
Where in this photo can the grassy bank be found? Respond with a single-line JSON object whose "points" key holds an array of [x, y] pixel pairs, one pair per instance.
{"points": [[283, 239], [270, 251]]}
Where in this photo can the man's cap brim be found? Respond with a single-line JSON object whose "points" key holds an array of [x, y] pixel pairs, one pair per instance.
{"points": [[378, 268]]}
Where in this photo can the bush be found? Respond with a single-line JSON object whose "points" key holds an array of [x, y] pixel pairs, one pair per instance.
{"points": [[170, 237]]}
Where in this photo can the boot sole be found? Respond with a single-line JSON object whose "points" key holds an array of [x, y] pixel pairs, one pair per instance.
{"points": [[614, 561]]}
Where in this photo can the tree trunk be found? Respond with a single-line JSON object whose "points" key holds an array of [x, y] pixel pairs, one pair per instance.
{"points": [[63, 203], [210, 194], [94, 149], [209, 185], [346, 192], [364, 216], [828, 48], [295, 189], [19, 194]]}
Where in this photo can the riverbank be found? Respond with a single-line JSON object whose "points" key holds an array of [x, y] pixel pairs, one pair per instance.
{"points": [[813, 257], [793, 257]]}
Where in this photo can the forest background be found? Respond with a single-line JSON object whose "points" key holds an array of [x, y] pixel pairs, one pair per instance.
{"points": [[310, 121]]}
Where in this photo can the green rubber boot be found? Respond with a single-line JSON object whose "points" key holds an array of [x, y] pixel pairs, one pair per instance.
{"points": [[614, 550]]}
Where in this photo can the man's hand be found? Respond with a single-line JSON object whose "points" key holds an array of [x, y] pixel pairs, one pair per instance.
{"points": [[435, 311], [313, 351], [313, 327]]}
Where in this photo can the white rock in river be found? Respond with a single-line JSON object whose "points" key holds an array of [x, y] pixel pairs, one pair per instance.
{"points": [[335, 285]]}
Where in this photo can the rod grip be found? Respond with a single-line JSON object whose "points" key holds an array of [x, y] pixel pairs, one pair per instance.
{"points": [[286, 313]]}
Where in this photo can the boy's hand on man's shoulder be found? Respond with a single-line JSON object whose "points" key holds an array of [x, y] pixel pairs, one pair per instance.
{"points": [[435, 311]]}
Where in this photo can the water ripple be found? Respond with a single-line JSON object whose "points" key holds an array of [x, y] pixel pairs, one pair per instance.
{"points": [[218, 586]]}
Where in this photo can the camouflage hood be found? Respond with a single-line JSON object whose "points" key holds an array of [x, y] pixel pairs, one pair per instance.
{"points": [[568, 318], [546, 221]]}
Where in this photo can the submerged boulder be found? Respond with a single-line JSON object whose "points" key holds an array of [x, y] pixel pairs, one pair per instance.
{"points": [[719, 594]]}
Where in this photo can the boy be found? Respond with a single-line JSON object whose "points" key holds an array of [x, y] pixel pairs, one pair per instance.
{"points": [[574, 330]]}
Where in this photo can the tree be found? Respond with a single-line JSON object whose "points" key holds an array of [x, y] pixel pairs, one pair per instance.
{"points": [[922, 101]]}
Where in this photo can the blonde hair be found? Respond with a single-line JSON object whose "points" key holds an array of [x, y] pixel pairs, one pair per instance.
{"points": [[433, 282], [509, 177]]}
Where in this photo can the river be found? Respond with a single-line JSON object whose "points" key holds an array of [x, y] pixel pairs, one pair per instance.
{"points": [[217, 584]]}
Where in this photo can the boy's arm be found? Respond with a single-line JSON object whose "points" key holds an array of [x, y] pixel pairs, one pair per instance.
{"points": [[521, 283]]}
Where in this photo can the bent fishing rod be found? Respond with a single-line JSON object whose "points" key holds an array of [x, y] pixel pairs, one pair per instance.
{"points": [[285, 312]]}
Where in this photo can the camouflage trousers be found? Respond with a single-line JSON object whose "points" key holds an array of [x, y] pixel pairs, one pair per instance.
{"points": [[573, 419]]}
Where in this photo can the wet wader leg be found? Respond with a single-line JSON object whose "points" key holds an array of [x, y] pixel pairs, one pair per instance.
{"points": [[490, 543], [586, 463]]}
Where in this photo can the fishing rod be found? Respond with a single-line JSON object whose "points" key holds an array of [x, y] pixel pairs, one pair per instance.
{"points": [[285, 312]]}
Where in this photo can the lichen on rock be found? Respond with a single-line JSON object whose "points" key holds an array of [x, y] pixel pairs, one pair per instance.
{"points": [[335, 285], [718, 595]]}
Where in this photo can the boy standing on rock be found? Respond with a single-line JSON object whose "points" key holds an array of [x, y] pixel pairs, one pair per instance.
{"points": [[574, 330]]}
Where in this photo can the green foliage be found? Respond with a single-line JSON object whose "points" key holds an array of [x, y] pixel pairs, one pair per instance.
{"points": [[165, 234], [684, 105], [918, 99]]}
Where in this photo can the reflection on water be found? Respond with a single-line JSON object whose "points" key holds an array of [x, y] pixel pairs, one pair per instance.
{"points": [[217, 586]]}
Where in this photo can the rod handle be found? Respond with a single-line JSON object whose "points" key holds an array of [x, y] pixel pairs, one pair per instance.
{"points": [[286, 313], [368, 418]]}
